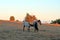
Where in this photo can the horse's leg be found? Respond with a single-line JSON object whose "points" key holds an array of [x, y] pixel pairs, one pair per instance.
{"points": [[36, 29], [29, 29], [23, 27]]}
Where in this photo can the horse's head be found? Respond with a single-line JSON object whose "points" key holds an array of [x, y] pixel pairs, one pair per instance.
{"points": [[39, 22]]}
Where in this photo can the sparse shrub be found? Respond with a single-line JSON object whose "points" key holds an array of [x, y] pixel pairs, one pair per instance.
{"points": [[55, 21]]}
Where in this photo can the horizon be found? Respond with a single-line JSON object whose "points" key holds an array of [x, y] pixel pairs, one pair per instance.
{"points": [[45, 10]]}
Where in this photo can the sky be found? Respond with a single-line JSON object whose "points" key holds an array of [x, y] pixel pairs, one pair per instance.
{"points": [[45, 10]]}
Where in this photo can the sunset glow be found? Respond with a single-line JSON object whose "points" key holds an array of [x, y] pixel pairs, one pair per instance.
{"points": [[45, 10]]}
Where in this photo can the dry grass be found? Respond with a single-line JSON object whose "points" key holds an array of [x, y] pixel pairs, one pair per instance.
{"points": [[13, 31]]}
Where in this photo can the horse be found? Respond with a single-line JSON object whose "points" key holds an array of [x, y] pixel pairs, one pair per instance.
{"points": [[28, 25]]}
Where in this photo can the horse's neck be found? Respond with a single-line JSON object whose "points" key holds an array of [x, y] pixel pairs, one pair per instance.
{"points": [[39, 23]]}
